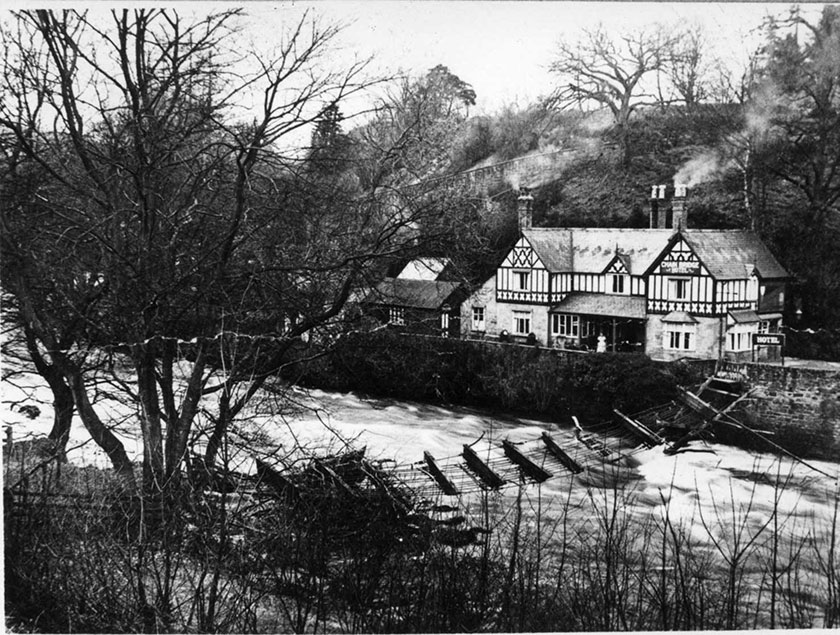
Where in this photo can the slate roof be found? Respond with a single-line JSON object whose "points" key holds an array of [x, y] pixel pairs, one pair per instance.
{"points": [[744, 317], [417, 294], [726, 253], [678, 317], [590, 249], [623, 306]]}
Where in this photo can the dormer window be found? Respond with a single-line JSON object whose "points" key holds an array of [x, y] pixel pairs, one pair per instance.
{"points": [[618, 283]]}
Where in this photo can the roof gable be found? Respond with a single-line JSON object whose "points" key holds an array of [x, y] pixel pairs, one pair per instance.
{"points": [[620, 263], [678, 258], [424, 269], [523, 255]]}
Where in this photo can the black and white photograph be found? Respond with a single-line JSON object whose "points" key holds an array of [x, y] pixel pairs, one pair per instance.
{"points": [[415, 316]]}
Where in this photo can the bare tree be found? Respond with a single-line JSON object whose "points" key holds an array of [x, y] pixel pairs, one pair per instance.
{"points": [[609, 72], [181, 230], [689, 67]]}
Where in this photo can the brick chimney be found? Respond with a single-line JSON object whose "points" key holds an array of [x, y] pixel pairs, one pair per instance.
{"points": [[680, 210], [525, 204], [657, 207]]}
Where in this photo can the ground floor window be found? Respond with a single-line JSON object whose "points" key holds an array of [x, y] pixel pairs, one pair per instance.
{"points": [[679, 337], [396, 316], [478, 323], [521, 322], [565, 325], [444, 324], [739, 337]]}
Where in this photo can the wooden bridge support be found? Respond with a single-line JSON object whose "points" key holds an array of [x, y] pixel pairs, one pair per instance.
{"points": [[557, 452], [446, 486], [648, 437], [487, 476], [528, 467]]}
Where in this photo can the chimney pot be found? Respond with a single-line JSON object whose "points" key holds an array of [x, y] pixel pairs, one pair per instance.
{"points": [[679, 207], [654, 216], [524, 208]]}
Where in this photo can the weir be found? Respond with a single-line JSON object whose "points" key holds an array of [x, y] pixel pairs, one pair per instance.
{"points": [[604, 452]]}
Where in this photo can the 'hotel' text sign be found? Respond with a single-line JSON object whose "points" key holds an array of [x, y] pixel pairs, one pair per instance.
{"points": [[768, 339]]}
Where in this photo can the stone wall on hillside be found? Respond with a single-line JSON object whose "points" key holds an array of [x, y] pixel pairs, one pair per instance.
{"points": [[530, 170], [800, 405]]}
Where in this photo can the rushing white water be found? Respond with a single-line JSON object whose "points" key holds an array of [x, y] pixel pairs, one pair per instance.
{"points": [[715, 495], [712, 474]]}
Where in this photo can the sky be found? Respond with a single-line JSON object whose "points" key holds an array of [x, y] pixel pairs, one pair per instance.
{"points": [[503, 48]]}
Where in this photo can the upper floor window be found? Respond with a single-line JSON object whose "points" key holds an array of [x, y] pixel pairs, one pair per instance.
{"points": [[618, 283], [521, 322], [678, 288], [396, 316], [478, 323], [522, 280]]}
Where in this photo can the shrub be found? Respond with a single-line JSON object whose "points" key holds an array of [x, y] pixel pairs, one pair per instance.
{"points": [[524, 379]]}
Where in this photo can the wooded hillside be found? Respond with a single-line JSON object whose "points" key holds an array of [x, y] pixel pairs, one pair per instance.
{"points": [[757, 152]]}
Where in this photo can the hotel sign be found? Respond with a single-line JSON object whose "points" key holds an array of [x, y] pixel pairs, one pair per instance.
{"points": [[680, 267], [768, 339]]}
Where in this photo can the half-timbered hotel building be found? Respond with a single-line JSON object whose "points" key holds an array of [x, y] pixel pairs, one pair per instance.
{"points": [[667, 290]]}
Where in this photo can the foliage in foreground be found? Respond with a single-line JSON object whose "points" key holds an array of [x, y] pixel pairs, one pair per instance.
{"points": [[342, 561]]}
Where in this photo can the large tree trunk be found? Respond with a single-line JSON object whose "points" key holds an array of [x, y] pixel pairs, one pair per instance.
{"points": [[220, 425], [99, 432], [74, 380], [62, 396], [179, 421], [154, 478]]}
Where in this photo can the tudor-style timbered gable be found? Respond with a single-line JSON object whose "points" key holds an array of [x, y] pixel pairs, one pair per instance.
{"points": [[678, 281], [522, 277]]}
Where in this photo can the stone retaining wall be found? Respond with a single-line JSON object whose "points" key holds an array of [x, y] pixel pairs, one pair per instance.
{"points": [[800, 405]]}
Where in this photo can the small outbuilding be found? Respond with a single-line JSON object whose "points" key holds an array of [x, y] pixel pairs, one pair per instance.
{"points": [[429, 307]]}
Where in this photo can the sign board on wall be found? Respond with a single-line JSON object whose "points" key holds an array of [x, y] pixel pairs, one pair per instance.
{"points": [[680, 267], [768, 339]]}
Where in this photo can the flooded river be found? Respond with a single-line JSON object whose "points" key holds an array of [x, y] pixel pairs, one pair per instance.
{"points": [[684, 485], [720, 500]]}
